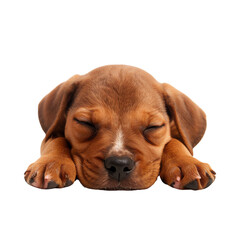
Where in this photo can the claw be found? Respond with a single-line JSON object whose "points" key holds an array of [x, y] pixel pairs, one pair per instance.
{"points": [[68, 183], [52, 184], [210, 181], [31, 180], [213, 172], [26, 175], [192, 185]]}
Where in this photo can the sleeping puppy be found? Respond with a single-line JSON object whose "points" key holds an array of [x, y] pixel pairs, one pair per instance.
{"points": [[118, 128]]}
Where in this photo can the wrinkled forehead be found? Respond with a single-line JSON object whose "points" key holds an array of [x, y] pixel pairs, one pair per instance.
{"points": [[120, 93]]}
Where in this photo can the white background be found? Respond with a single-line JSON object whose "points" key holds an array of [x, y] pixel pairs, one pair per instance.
{"points": [[193, 45]]}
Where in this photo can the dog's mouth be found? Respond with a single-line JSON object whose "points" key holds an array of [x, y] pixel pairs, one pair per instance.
{"points": [[120, 174]]}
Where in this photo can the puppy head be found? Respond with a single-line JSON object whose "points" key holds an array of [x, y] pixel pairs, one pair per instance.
{"points": [[117, 120]]}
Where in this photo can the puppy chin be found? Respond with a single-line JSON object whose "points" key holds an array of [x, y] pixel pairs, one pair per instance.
{"points": [[125, 188], [107, 183]]}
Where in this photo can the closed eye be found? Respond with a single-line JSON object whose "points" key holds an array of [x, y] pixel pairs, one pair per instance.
{"points": [[85, 123], [153, 133], [154, 127]]}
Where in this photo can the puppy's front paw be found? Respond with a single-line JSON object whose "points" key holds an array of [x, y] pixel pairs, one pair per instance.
{"points": [[50, 172], [187, 173]]}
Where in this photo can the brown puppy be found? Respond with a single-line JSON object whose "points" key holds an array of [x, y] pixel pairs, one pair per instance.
{"points": [[118, 128]]}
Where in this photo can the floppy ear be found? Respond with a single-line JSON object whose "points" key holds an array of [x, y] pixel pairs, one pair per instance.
{"points": [[53, 108], [188, 121]]}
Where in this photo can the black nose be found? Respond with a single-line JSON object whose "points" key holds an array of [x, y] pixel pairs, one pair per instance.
{"points": [[119, 167]]}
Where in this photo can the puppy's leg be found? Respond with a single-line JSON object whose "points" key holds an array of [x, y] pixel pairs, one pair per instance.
{"points": [[55, 167], [180, 170]]}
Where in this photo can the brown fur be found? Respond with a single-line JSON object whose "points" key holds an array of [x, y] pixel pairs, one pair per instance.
{"points": [[114, 97]]}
